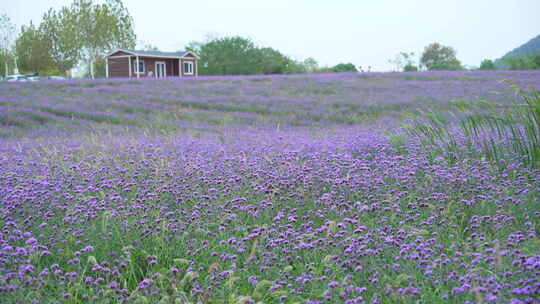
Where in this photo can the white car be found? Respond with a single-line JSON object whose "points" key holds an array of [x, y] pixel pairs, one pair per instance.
{"points": [[13, 78], [33, 78]]}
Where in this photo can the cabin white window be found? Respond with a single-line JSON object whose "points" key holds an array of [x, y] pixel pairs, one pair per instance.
{"points": [[140, 69], [188, 67]]}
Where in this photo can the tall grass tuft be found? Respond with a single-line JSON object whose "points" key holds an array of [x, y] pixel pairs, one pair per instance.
{"points": [[492, 131]]}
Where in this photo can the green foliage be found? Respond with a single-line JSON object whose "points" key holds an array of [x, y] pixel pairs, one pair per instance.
{"points": [[240, 56], [99, 68], [524, 62], [227, 56], [58, 30], [5, 65], [311, 65], [439, 57], [344, 67], [84, 30], [489, 132], [536, 60], [517, 130], [271, 61], [32, 50], [295, 67], [410, 68], [487, 64], [101, 27]]}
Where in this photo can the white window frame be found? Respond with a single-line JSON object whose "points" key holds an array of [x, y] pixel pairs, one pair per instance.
{"points": [[164, 68], [184, 67], [137, 68]]}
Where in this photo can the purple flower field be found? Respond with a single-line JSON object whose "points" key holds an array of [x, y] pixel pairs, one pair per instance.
{"points": [[274, 189]]}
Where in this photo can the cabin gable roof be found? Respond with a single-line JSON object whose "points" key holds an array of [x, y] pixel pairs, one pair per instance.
{"points": [[159, 54]]}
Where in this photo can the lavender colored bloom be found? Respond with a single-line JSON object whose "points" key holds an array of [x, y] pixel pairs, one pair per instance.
{"points": [[280, 188], [145, 284], [31, 241]]}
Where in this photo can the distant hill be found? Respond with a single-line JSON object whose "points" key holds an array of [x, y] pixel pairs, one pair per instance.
{"points": [[530, 48]]}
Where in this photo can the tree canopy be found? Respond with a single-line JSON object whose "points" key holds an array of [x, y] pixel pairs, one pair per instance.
{"points": [[237, 56], [84, 30], [58, 31], [440, 57], [522, 62], [344, 67], [487, 64], [32, 49], [100, 28]]}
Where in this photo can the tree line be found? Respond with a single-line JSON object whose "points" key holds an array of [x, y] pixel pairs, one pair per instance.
{"points": [[435, 57], [85, 31], [241, 56], [439, 57], [519, 62], [81, 32]]}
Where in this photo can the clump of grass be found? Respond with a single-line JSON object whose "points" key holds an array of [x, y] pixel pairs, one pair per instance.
{"points": [[488, 131], [518, 128], [398, 141]]}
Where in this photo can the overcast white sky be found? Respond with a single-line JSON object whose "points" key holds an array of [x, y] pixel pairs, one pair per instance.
{"points": [[363, 32]]}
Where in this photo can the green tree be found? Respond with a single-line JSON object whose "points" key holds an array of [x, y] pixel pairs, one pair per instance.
{"points": [[310, 65], [226, 56], [237, 55], [3, 67], [439, 57], [522, 62], [60, 37], [344, 67], [99, 68], [487, 64], [270, 61], [294, 67], [410, 68], [518, 62], [32, 51], [7, 35], [102, 27], [536, 61]]}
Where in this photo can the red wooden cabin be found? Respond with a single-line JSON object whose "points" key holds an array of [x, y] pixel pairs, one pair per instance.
{"points": [[134, 63]]}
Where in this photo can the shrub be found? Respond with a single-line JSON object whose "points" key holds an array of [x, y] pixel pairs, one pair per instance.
{"points": [[487, 65], [410, 68]]}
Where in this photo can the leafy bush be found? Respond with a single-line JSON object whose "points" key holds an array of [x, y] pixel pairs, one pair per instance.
{"points": [[344, 67], [410, 68], [487, 65]]}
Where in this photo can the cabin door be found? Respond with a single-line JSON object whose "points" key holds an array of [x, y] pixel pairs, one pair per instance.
{"points": [[161, 70]]}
